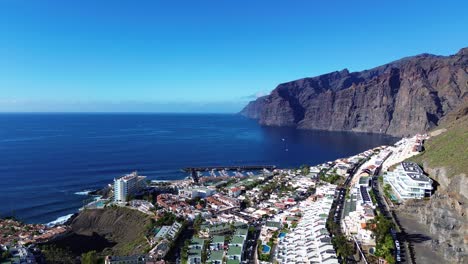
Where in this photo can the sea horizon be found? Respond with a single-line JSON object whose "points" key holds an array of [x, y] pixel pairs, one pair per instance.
{"points": [[54, 158]]}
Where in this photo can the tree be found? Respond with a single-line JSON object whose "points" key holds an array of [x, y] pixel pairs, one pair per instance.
{"points": [[5, 255], [184, 253], [343, 247], [197, 223], [89, 258], [167, 218], [305, 169], [245, 203], [56, 255]]}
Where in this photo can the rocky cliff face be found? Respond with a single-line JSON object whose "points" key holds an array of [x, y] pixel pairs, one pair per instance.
{"points": [[400, 98], [445, 215]]}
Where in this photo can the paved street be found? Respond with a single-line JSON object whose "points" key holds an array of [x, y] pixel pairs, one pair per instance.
{"points": [[385, 209]]}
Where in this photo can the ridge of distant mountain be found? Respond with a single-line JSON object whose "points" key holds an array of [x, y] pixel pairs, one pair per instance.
{"points": [[404, 97]]}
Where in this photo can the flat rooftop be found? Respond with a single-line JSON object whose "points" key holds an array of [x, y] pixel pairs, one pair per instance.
{"points": [[218, 239], [197, 241], [234, 251], [241, 232], [237, 240], [419, 177], [411, 167], [415, 172], [364, 180], [216, 255], [365, 194], [350, 206], [194, 252]]}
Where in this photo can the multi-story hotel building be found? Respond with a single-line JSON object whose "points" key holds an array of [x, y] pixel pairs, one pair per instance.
{"points": [[127, 185], [409, 182]]}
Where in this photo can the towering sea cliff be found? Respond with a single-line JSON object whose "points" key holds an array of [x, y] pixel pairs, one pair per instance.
{"points": [[403, 97]]}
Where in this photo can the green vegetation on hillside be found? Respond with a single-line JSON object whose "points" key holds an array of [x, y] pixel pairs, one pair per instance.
{"points": [[91, 257], [385, 244], [109, 231], [54, 254], [330, 178], [448, 149]]}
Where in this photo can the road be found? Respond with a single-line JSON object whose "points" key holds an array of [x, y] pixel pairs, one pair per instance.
{"points": [[250, 254], [398, 237], [336, 211]]}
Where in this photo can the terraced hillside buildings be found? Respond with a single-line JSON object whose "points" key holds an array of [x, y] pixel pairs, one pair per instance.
{"points": [[409, 182]]}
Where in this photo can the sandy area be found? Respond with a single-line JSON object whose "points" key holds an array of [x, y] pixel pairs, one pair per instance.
{"points": [[437, 132], [400, 153]]}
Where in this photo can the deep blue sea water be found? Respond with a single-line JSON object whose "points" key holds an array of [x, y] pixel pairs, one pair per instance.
{"points": [[45, 159]]}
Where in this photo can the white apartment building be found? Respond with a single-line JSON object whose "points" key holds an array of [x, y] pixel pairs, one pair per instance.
{"points": [[358, 211], [409, 182], [127, 185], [192, 193]]}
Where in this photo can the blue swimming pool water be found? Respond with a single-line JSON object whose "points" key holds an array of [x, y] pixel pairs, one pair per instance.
{"points": [[266, 249]]}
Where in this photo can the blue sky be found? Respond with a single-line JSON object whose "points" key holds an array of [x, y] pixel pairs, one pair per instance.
{"points": [[201, 56]]}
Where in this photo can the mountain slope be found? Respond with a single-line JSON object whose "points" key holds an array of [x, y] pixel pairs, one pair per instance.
{"points": [[113, 230], [449, 150], [404, 97], [445, 214]]}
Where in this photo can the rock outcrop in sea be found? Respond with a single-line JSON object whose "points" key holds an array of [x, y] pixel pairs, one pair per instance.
{"points": [[400, 98]]}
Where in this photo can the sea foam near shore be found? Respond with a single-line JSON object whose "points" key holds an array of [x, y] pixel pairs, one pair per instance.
{"points": [[85, 192], [59, 221]]}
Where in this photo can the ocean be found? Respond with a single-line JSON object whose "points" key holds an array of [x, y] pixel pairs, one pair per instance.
{"points": [[49, 161]]}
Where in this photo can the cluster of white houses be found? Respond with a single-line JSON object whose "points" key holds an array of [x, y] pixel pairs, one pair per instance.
{"points": [[310, 241], [217, 253]]}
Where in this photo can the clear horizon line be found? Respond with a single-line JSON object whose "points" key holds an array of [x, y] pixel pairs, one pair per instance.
{"points": [[114, 112]]}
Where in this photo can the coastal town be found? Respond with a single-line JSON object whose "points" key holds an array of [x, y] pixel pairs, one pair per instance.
{"points": [[335, 212]]}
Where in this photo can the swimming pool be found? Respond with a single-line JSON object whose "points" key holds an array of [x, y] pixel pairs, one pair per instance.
{"points": [[281, 235], [100, 204], [266, 249]]}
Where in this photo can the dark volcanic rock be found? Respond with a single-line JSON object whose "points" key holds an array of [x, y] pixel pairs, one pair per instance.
{"points": [[254, 108], [404, 97]]}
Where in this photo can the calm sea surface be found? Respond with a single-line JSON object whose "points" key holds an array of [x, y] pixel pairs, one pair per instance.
{"points": [[46, 159]]}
